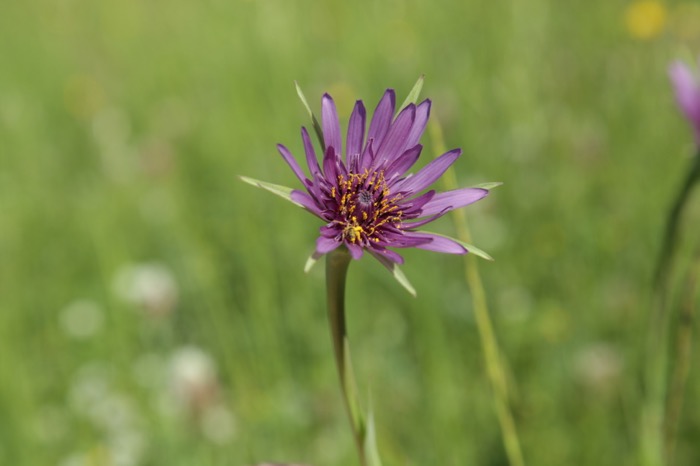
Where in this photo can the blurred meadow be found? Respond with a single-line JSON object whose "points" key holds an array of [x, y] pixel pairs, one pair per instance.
{"points": [[154, 308]]}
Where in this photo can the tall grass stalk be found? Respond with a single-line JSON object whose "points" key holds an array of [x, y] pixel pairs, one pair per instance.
{"points": [[489, 344], [681, 367]]}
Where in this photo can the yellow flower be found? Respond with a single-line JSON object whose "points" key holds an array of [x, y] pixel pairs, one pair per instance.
{"points": [[645, 19]]}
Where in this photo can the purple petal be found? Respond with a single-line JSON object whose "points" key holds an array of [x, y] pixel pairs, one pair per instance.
{"points": [[355, 251], [386, 257], [419, 123], [381, 119], [403, 240], [331, 125], [330, 164], [292, 162], [311, 159], [367, 156], [331, 230], [419, 223], [356, 131], [306, 201], [325, 245], [414, 206], [395, 140], [354, 162], [426, 176], [399, 166], [453, 200], [340, 166], [438, 243]]}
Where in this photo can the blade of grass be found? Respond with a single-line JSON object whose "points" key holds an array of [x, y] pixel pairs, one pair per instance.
{"points": [[487, 335]]}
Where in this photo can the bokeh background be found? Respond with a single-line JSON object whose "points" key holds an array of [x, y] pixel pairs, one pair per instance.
{"points": [[153, 308]]}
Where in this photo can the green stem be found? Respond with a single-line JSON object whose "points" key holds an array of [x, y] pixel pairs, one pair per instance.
{"points": [[337, 263], [665, 259], [653, 413], [489, 344], [681, 367]]}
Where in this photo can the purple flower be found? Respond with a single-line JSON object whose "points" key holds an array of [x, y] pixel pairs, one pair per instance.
{"points": [[687, 88], [365, 195]]}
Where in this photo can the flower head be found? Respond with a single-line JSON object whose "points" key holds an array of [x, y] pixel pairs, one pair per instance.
{"points": [[364, 194], [686, 85]]}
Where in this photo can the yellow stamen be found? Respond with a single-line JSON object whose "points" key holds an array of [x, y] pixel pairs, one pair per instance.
{"points": [[382, 209]]}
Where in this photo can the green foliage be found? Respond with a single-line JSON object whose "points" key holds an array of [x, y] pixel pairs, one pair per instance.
{"points": [[314, 120], [281, 191], [124, 128], [413, 94]]}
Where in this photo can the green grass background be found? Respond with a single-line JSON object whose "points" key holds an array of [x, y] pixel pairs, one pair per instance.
{"points": [[124, 126]]}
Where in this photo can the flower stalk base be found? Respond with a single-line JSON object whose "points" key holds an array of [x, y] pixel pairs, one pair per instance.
{"points": [[337, 263]]}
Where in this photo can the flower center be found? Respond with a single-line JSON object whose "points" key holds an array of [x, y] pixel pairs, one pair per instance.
{"points": [[365, 205], [364, 197]]}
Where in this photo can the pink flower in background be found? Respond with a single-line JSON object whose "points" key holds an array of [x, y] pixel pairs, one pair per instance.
{"points": [[686, 85]]}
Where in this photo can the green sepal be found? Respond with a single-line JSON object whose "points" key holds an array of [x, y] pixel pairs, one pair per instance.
{"points": [[282, 191], [469, 247], [412, 96], [311, 261], [395, 270], [401, 278], [488, 186], [314, 121]]}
